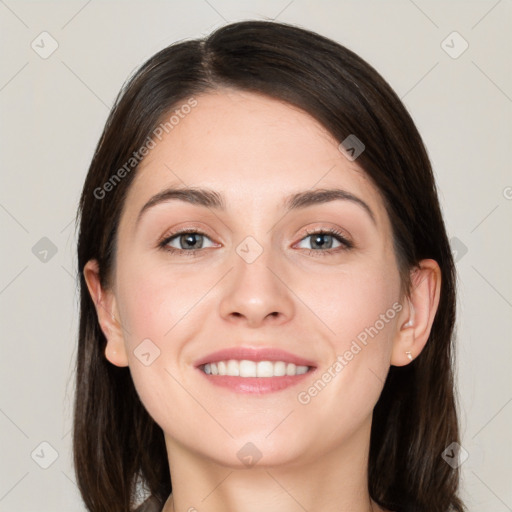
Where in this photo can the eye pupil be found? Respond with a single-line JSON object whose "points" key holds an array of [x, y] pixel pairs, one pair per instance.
{"points": [[318, 241], [188, 240]]}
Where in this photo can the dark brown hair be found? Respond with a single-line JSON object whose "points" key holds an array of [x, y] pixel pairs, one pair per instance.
{"points": [[115, 440]]}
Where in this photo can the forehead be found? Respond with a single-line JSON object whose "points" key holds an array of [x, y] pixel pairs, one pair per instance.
{"points": [[250, 148]]}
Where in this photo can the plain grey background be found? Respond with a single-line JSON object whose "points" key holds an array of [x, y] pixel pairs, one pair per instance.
{"points": [[64, 62]]}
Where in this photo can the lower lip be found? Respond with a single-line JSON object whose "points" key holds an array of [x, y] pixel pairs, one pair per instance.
{"points": [[256, 385]]}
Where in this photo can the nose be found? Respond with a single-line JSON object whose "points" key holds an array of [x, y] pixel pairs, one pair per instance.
{"points": [[256, 293]]}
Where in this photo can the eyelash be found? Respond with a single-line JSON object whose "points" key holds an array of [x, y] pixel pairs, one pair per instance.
{"points": [[346, 244]]}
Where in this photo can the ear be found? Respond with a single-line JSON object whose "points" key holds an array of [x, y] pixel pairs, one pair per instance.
{"points": [[108, 317], [417, 316]]}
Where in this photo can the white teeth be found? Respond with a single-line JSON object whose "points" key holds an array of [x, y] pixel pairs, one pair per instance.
{"points": [[279, 368], [233, 368], [245, 368], [265, 369]]}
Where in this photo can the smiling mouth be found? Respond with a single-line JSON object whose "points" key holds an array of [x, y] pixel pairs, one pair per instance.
{"points": [[246, 368]]}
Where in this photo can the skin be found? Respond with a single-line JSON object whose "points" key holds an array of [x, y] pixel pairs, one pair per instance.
{"points": [[255, 151]]}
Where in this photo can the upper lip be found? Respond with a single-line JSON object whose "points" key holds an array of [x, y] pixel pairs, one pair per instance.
{"points": [[254, 354]]}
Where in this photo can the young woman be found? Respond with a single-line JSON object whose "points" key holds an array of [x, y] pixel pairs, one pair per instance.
{"points": [[267, 289]]}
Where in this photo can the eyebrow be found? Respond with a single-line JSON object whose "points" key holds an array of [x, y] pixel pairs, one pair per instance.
{"points": [[212, 199]]}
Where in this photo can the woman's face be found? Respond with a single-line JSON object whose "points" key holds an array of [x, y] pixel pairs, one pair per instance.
{"points": [[258, 279]]}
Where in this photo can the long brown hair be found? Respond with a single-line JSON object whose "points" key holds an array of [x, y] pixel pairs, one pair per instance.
{"points": [[116, 443]]}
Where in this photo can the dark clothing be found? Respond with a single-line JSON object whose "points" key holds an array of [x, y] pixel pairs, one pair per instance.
{"points": [[150, 505]]}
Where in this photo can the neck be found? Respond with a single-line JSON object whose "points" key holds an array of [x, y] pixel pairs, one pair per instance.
{"points": [[169, 506], [336, 481]]}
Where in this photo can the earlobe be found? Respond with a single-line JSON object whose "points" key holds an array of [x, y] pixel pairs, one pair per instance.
{"points": [[418, 317], [108, 318]]}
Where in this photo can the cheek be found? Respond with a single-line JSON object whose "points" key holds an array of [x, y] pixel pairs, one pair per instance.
{"points": [[351, 302], [155, 299], [361, 308], [159, 309]]}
